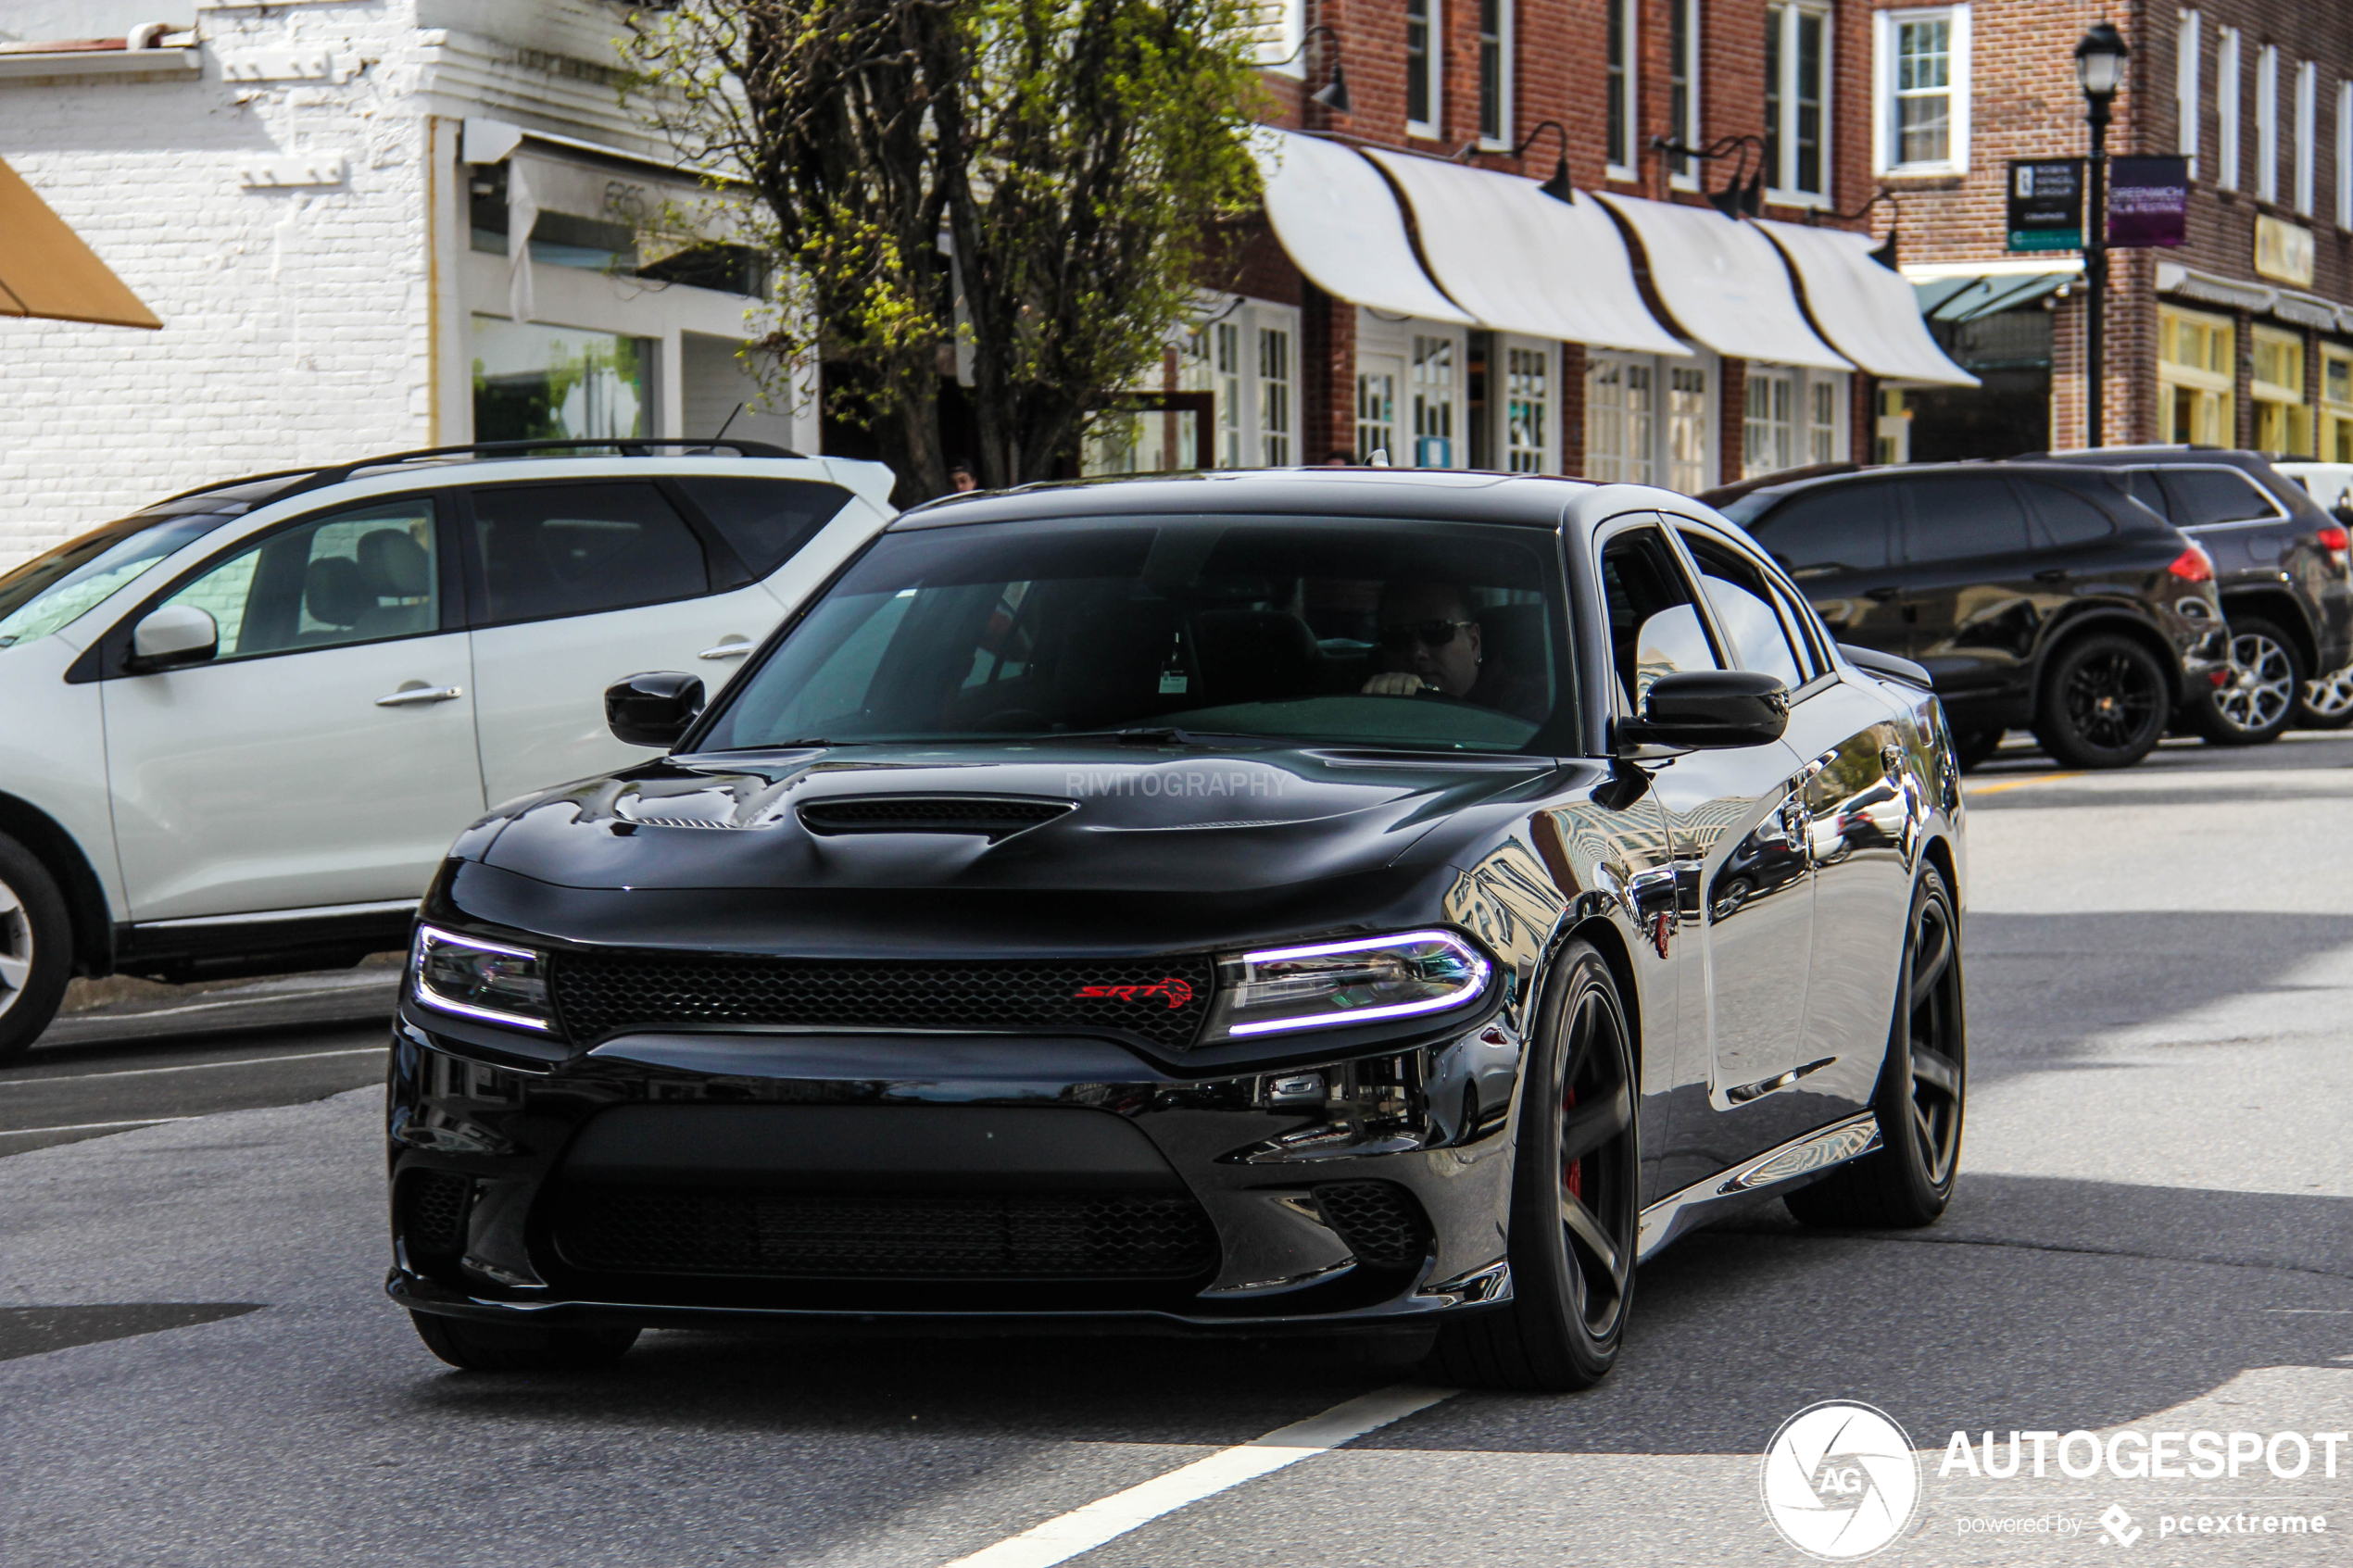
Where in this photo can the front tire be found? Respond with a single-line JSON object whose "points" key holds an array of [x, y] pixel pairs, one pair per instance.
{"points": [[2105, 702], [36, 948], [1922, 1089], [2326, 702], [1576, 1201], [2254, 705], [497, 1346]]}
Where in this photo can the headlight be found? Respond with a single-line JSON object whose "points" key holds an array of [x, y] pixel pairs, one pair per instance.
{"points": [[478, 979], [1332, 984]]}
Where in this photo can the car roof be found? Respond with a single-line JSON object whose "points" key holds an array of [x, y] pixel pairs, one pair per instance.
{"points": [[1434, 494], [1884, 471]]}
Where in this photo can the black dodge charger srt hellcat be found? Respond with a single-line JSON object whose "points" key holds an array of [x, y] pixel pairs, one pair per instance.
{"points": [[1297, 902]]}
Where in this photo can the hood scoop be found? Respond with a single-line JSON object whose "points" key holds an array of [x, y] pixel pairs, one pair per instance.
{"points": [[994, 816]]}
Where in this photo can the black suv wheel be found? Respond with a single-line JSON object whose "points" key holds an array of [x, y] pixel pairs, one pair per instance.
{"points": [[2326, 702], [2103, 703], [2266, 676]]}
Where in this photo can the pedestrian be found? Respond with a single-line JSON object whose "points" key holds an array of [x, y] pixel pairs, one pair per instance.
{"points": [[963, 476]]}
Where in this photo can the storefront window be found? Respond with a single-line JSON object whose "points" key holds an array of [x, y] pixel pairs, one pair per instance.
{"points": [[2193, 374], [1620, 419], [1790, 417], [1434, 393], [535, 383], [2282, 420], [1688, 447], [1274, 396], [2336, 404], [1528, 408]]}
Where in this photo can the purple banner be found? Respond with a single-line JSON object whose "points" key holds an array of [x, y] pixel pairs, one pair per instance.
{"points": [[2148, 201]]}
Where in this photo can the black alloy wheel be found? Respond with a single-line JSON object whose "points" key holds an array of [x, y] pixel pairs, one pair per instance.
{"points": [[1576, 1200], [497, 1346], [1922, 1089], [2253, 705], [2104, 703], [2326, 702], [36, 948]]}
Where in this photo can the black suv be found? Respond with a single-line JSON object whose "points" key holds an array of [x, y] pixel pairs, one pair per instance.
{"points": [[2280, 561], [2037, 595]]}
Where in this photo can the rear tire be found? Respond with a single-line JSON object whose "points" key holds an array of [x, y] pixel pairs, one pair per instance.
{"points": [[2267, 677], [36, 948], [2104, 704], [1576, 1203], [497, 1346], [1922, 1089]]}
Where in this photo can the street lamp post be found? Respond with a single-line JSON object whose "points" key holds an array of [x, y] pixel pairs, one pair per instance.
{"points": [[2099, 67]]}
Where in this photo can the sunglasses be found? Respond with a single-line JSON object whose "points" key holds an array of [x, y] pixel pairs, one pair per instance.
{"points": [[1428, 634]]}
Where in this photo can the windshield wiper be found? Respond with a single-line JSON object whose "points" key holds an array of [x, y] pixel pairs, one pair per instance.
{"points": [[1148, 733]]}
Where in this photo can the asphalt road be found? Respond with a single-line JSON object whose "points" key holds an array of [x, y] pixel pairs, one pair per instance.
{"points": [[2153, 1234]]}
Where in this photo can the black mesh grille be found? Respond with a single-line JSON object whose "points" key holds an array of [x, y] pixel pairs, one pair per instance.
{"points": [[1379, 1221], [1159, 999], [432, 1212], [996, 818], [821, 1236]]}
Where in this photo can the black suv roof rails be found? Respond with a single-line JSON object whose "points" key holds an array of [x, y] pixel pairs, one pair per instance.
{"points": [[627, 446]]}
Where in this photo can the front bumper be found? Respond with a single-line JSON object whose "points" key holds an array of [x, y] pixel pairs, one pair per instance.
{"points": [[938, 1181]]}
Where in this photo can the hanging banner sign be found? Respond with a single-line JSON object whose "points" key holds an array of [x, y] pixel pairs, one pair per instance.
{"points": [[2148, 201], [2047, 204]]}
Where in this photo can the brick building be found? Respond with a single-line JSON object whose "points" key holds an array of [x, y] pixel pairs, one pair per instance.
{"points": [[1395, 300], [289, 186], [2241, 337]]}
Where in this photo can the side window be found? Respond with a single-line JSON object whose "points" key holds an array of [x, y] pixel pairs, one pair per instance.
{"points": [[1654, 628], [1959, 519], [766, 520], [2207, 495], [352, 577], [2063, 518], [1841, 527], [2150, 492], [575, 549], [1747, 611]]}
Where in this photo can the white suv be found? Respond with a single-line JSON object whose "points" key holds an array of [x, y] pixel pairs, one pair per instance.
{"points": [[239, 729]]}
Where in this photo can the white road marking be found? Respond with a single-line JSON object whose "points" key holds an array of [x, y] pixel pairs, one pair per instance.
{"points": [[364, 983], [94, 1126], [200, 1066], [1084, 1529]]}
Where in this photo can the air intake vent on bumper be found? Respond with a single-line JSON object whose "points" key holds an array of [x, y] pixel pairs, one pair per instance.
{"points": [[994, 816]]}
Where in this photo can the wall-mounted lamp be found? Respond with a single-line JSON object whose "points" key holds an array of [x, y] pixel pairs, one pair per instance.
{"points": [[1332, 94]]}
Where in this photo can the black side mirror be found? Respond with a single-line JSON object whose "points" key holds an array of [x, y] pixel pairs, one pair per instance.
{"points": [[1704, 709], [653, 708]]}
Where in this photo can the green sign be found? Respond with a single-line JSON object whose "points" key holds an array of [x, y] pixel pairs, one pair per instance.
{"points": [[2047, 204]]}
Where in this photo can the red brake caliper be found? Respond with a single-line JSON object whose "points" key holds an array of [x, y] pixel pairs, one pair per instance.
{"points": [[1573, 1177]]}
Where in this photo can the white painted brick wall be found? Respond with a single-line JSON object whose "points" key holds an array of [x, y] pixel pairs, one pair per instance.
{"points": [[295, 319]]}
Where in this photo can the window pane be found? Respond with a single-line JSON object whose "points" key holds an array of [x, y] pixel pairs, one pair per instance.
{"points": [[1776, 21], [571, 549], [1418, 60], [1654, 628], [1616, 134], [1958, 519], [1274, 396], [355, 577], [534, 383], [767, 520], [1809, 174], [2065, 517], [1845, 526], [2209, 495], [1743, 605]]}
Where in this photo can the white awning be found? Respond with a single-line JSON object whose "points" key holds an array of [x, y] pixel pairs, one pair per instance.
{"points": [[1724, 284], [1867, 311], [1339, 222], [1523, 262]]}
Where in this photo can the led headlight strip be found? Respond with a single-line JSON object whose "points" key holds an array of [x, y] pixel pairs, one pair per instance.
{"points": [[1432, 971], [487, 972]]}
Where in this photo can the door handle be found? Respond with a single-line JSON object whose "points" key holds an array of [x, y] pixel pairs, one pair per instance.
{"points": [[1882, 595], [412, 694], [729, 647], [2052, 574]]}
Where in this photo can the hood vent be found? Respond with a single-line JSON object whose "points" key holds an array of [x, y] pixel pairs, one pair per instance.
{"points": [[995, 817]]}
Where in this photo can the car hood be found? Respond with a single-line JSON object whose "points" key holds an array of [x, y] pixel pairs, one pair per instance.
{"points": [[1110, 817]]}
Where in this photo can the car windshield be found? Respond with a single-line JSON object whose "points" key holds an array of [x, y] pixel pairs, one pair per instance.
{"points": [[1395, 634], [52, 589]]}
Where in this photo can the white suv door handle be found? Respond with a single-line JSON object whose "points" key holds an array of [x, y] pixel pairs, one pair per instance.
{"points": [[733, 647], [408, 696]]}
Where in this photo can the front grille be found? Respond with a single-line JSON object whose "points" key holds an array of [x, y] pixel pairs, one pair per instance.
{"points": [[1161, 1000], [1379, 1221], [824, 1236], [432, 1212], [997, 816]]}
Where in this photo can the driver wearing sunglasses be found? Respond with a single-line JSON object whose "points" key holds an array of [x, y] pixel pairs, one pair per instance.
{"points": [[1431, 644]]}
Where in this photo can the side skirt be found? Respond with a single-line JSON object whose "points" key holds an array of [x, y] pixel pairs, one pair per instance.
{"points": [[1816, 1151]]}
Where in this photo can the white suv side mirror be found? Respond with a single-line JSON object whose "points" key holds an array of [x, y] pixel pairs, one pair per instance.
{"points": [[172, 635]]}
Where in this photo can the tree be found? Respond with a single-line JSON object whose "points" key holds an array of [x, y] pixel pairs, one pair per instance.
{"points": [[1083, 158]]}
